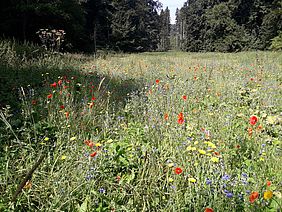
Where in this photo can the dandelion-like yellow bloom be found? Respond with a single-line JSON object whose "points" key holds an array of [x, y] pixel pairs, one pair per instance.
{"points": [[170, 180], [72, 138], [190, 148], [98, 145], [46, 139], [170, 165], [202, 152], [192, 180], [215, 159], [211, 145], [63, 157], [267, 195]]}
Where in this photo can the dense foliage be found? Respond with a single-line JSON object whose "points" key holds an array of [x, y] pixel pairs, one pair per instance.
{"points": [[228, 25], [140, 132], [126, 25]]}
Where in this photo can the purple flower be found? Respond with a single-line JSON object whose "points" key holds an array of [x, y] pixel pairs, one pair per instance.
{"points": [[244, 175], [208, 181], [225, 177], [102, 190], [229, 195]]}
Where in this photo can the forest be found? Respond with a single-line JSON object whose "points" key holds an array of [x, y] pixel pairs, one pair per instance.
{"points": [[143, 25]]}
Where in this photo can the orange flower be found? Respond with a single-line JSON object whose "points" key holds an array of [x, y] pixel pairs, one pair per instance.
{"points": [[253, 120], [268, 183], [177, 170], [166, 116], [180, 118], [67, 114], [254, 195], [259, 127], [208, 210], [250, 131], [93, 154]]}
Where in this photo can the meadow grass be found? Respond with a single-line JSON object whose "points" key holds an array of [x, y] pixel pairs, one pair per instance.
{"points": [[141, 132]]}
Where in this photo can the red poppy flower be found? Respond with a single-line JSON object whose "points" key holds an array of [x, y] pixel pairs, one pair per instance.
{"points": [[93, 154], [60, 82], [254, 195], [184, 97], [208, 210], [180, 118], [62, 107], [33, 102], [93, 98], [54, 85], [253, 120], [67, 114], [157, 81], [49, 96], [268, 183], [177, 170]]}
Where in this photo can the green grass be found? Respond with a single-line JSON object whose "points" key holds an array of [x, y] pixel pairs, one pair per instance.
{"points": [[138, 138]]}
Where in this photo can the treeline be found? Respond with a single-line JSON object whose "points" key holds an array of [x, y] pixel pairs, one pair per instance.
{"points": [[120, 25], [229, 25]]}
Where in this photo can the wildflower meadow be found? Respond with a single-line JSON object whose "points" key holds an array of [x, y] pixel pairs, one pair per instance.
{"points": [[141, 132]]}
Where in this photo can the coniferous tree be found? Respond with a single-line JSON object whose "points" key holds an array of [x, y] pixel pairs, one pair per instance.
{"points": [[164, 44]]}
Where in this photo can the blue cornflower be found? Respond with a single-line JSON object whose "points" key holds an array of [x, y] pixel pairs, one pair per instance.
{"points": [[102, 190], [229, 195], [225, 177], [208, 181], [244, 175]]}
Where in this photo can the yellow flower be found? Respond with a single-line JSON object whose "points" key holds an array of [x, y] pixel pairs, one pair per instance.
{"points": [[192, 180], [170, 165], [211, 145], [63, 157], [170, 180], [267, 195], [190, 148], [196, 142], [46, 139], [98, 145], [261, 159], [215, 159], [72, 138], [203, 152]]}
